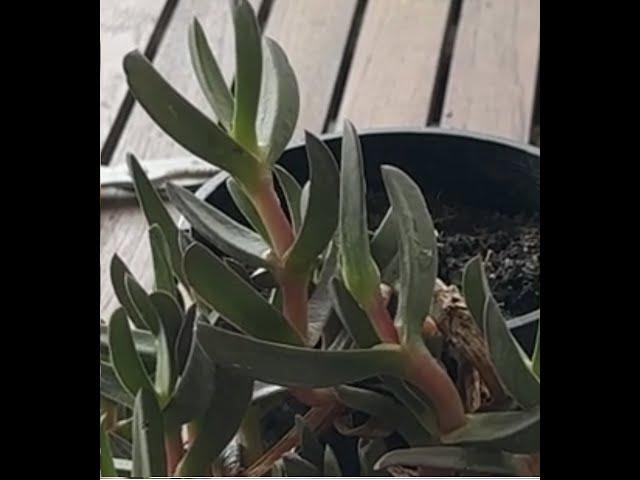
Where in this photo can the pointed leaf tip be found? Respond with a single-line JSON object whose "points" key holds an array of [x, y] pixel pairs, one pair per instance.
{"points": [[359, 271], [418, 252]]}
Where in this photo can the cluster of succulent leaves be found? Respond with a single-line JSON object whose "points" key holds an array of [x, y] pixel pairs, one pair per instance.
{"points": [[212, 348]]}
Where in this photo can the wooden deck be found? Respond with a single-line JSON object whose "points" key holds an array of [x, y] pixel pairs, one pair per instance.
{"points": [[467, 64]]}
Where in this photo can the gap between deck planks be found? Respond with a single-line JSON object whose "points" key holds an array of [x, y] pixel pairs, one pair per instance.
{"points": [[493, 73], [394, 65]]}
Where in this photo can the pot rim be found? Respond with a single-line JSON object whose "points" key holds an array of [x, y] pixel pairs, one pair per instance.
{"points": [[453, 132], [204, 190]]}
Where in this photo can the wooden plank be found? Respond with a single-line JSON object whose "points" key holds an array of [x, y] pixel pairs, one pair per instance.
{"points": [[493, 72], [122, 228], [124, 25], [314, 34], [394, 65]]}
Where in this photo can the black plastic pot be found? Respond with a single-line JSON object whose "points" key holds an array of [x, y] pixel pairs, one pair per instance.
{"points": [[466, 168]]}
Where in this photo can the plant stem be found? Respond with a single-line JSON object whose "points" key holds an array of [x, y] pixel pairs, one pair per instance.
{"points": [[267, 204], [294, 287], [174, 449], [432, 380], [294, 303], [381, 319]]}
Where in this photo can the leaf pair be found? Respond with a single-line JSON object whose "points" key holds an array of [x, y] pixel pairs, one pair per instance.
{"points": [[361, 330], [518, 375], [219, 423], [264, 110], [160, 314], [415, 235]]}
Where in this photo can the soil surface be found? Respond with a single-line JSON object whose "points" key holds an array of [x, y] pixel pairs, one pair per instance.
{"points": [[510, 246]]}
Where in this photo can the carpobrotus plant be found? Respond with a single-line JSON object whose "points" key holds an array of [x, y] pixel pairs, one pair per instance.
{"points": [[299, 302]]}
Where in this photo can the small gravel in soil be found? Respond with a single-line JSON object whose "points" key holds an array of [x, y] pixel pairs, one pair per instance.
{"points": [[510, 246]]}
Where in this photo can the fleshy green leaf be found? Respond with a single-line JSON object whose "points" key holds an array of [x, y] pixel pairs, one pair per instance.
{"points": [[321, 218], [111, 388], [194, 389], [535, 361], [331, 465], [222, 231], [232, 297], [359, 272], [107, 469], [292, 192], [184, 123], [172, 320], [384, 244], [146, 309], [279, 102], [119, 271], [209, 76], [142, 305], [296, 366], [185, 339], [148, 437], [418, 253], [368, 452], [155, 211], [170, 316], [246, 208], [195, 386], [357, 323], [510, 361], [475, 288], [470, 460], [515, 432], [124, 358], [387, 410], [248, 73], [220, 423], [164, 278], [144, 341]]}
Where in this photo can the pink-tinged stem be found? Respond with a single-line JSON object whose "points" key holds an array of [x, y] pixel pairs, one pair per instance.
{"points": [[432, 380], [294, 303], [174, 450], [267, 204], [381, 319], [294, 287]]}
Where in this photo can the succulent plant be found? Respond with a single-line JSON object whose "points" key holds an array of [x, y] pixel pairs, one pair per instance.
{"points": [[299, 304]]}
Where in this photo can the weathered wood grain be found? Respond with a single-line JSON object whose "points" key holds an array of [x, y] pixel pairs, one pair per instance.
{"points": [[314, 35], [493, 72], [394, 65], [124, 25]]}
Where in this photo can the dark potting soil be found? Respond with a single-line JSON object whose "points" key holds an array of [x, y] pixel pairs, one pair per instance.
{"points": [[509, 245]]}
